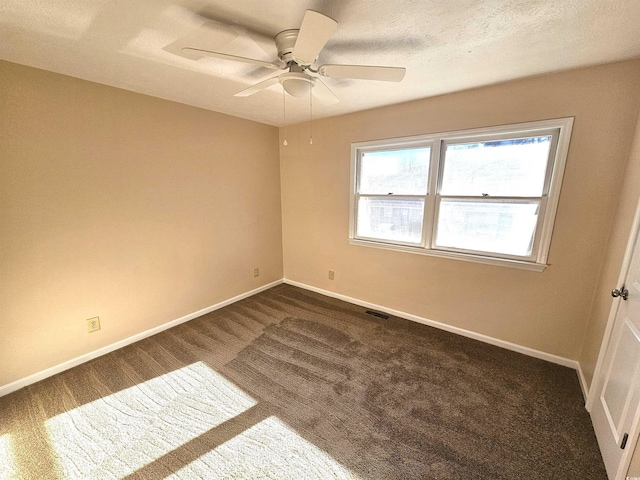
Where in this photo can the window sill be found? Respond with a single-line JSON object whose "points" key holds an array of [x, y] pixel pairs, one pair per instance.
{"points": [[465, 257]]}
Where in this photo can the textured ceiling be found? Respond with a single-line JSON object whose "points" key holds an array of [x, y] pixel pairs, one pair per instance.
{"points": [[446, 45]]}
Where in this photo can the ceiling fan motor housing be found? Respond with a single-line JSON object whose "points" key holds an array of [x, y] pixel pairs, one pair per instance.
{"points": [[285, 42]]}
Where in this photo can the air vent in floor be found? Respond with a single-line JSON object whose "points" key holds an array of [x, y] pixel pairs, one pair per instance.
{"points": [[377, 314]]}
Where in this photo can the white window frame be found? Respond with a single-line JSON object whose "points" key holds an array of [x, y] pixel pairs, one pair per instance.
{"points": [[559, 129]]}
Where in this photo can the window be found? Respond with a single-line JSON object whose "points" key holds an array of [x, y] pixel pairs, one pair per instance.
{"points": [[487, 195]]}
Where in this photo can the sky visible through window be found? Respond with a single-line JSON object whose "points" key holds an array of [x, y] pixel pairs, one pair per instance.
{"points": [[510, 168], [401, 172]]}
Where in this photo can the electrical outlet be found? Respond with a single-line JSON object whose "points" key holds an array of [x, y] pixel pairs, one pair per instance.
{"points": [[332, 274], [256, 272], [93, 324]]}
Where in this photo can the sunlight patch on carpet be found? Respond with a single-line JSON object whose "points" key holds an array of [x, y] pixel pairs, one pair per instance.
{"points": [[269, 449], [120, 433], [7, 462]]}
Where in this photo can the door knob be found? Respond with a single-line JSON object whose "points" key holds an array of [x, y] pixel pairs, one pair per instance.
{"points": [[622, 293]]}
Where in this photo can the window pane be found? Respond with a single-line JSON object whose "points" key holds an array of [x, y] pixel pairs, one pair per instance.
{"points": [[401, 172], [390, 219], [507, 168], [498, 227]]}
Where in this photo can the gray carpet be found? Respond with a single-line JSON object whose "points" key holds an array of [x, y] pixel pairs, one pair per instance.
{"points": [[291, 384]]}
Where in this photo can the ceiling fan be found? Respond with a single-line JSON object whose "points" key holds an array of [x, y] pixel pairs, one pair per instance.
{"points": [[298, 49]]}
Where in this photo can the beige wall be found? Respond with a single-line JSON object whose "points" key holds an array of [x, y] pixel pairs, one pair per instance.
{"points": [[622, 219], [124, 206], [140, 211], [618, 239], [634, 468], [546, 311]]}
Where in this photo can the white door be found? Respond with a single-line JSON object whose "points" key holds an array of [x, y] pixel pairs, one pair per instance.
{"points": [[616, 410]]}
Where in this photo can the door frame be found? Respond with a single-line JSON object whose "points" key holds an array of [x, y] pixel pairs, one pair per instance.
{"points": [[599, 373]]}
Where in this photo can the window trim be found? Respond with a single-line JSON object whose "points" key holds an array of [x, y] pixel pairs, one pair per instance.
{"points": [[549, 198]]}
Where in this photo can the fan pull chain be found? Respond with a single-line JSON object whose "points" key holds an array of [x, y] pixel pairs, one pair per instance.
{"points": [[310, 115], [284, 117]]}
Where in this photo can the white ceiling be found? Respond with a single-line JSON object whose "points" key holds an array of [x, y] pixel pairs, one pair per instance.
{"points": [[446, 45]]}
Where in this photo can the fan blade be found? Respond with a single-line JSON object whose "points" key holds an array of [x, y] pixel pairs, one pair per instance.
{"points": [[322, 93], [226, 56], [386, 74], [211, 35], [257, 87], [313, 35]]}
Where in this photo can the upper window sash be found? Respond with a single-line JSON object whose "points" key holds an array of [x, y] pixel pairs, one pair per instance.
{"points": [[553, 133], [361, 156]]}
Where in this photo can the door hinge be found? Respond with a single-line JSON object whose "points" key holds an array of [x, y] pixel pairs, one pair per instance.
{"points": [[624, 441]]}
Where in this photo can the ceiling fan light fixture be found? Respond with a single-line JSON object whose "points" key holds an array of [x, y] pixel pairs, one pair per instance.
{"points": [[296, 84]]}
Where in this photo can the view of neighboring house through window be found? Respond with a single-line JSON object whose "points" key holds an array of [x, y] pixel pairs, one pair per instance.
{"points": [[483, 195]]}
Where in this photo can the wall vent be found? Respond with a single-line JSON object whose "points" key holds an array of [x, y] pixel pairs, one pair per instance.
{"points": [[377, 314]]}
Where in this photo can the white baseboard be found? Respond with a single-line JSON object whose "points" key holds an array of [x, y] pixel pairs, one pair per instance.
{"points": [[566, 362], [583, 384], [49, 372], [36, 377]]}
